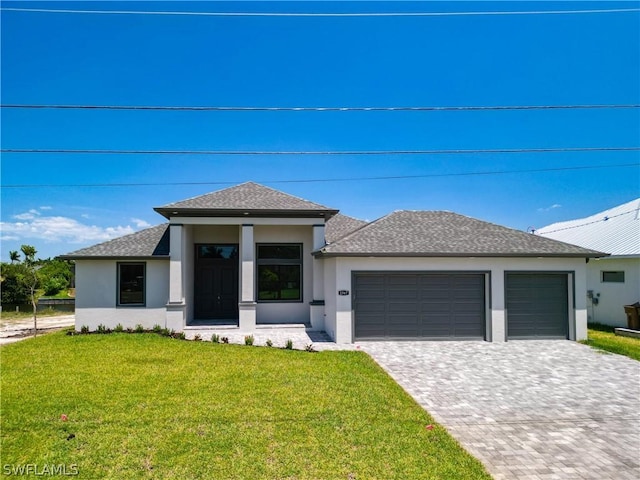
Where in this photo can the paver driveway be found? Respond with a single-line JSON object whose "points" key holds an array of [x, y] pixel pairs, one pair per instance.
{"points": [[527, 409]]}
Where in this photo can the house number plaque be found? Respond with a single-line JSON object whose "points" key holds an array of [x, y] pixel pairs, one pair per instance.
{"points": [[343, 292]]}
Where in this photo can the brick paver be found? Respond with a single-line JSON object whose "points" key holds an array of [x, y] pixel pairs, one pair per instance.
{"points": [[527, 409]]}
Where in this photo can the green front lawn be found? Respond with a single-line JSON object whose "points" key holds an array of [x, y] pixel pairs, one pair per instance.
{"points": [[604, 338], [146, 406]]}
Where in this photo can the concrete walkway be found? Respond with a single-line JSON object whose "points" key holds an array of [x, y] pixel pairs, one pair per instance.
{"points": [[527, 409]]}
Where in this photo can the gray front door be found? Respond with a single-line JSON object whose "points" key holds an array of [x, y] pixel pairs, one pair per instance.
{"points": [[537, 305], [216, 282], [419, 305]]}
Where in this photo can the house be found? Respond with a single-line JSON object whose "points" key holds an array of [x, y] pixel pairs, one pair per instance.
{"points": [[612, 281], [249, 256]]}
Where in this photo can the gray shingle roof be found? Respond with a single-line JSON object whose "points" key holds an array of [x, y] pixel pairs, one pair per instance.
{"points": [[150, 242], [340, 225], [441, 234], [247, 197]]}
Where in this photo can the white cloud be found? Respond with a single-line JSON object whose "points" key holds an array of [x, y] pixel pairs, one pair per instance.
{"points": [[552, 207], [7, 238], [46, 207], [56, 229], [30, 215], [140, 223]]}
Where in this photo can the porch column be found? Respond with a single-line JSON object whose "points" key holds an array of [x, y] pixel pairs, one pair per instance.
{"points": [[176, 306], [247, 304], [317, 304]]}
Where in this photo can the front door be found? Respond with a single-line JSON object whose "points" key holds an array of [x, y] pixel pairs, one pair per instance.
{"points": [[216, 281]]}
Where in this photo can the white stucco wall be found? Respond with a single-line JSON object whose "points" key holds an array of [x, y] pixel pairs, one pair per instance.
{"points": [[288, 312], [330, 296], [613, 296], [338, 309], [96, 295]]}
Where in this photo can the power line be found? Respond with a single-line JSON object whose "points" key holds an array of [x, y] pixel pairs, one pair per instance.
{"points": [[321, 109], [328, 180], [317, 152], [319, 14], [608, 217]]}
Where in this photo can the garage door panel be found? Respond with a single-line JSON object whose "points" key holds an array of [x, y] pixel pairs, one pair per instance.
{"points": [[466, 307], [537, 305], [419, 305], [366, 294], [436, 307], [364, 280], [365, 308], [405, 307], [400, 294], [372, 320], [402, 280]]}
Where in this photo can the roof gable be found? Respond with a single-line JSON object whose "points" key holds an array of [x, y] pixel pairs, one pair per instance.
{"points": [[615, 231], [441, 234], [340, 225], [150, 242], [248, 198]]}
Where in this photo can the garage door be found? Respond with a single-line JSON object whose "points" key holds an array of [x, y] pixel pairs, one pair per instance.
{"points": [[537, 305], [418, 305]]}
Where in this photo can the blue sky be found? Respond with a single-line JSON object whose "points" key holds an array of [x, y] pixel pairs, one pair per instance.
{"points": [[82, 59]]}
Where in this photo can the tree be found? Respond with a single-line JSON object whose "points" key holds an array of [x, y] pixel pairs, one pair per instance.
{"points": [[13, 290], [14, 256], [29, 277], [55, 275]]}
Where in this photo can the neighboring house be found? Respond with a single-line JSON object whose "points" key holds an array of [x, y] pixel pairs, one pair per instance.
{"points": [[249, 255], [612, 281]]}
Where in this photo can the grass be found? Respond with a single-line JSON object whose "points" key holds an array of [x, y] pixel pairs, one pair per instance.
{"points": [[146, 406], [64, 294], [603, 337]]}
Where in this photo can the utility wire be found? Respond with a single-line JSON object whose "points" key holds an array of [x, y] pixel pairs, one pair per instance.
{"points": [[319, 14], [316, 152], [321, 109], [587, 223], [328, 180]]}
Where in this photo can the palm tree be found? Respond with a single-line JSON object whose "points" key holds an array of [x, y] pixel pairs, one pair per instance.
{"points": [[30, 279], [14, 256]]}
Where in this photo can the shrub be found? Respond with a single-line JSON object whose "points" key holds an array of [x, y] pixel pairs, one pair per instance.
{"points": [[84, 329], [269, 343], [157, 328], [165, 332], [119, 328], [181, 336], [53, 285], [197, 338], [139, 328], [102, 329], [248, 340], [225, 339], [215, 338], [289, 345]]}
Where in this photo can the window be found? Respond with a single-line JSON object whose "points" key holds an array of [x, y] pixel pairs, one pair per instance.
{"points": [[217, 251], [613, 277], [279, 272], [131, 284]]}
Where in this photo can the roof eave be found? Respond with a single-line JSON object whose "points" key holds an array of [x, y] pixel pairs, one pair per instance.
{"points": [[242, 212], [113, 257], [320, 253]]}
